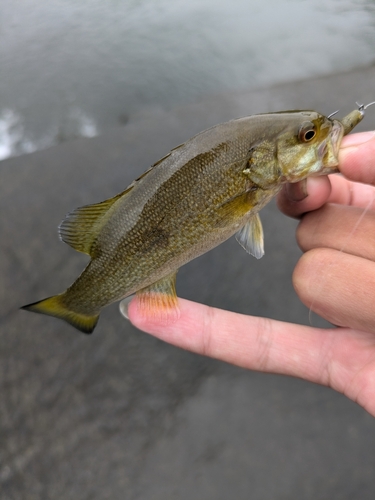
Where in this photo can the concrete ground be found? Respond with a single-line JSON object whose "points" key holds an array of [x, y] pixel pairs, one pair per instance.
{"points": [[121, 415]]}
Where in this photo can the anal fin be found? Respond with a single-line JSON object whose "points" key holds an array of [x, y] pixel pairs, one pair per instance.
{"points": [[159, 301], [250, 237]]}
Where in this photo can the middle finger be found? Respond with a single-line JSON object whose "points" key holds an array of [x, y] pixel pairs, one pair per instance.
{"points": [[340, 227]]}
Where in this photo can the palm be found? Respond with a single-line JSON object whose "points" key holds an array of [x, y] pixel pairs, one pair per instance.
{"points": [[351, 366]]}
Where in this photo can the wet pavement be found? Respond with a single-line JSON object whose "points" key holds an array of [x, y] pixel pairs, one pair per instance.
{"points": [[121, 415]]}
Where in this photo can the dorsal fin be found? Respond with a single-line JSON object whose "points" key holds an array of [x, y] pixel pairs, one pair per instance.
{"points": [[81, 226]]}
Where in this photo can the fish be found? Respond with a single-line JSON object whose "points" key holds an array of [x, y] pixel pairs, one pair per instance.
{"points": [[196, 197]]}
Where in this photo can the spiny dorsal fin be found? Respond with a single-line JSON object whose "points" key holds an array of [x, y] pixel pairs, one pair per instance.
{"points": [[81, 226]]}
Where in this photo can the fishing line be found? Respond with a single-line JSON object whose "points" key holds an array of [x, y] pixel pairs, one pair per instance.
{"points": [[343, 246]]}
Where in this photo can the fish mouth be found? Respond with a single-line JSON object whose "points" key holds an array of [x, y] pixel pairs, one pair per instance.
{"points": [[328, 150], [337, 133]]}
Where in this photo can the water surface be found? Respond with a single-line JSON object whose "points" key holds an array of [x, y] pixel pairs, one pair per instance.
{"points": [[73, 69]]}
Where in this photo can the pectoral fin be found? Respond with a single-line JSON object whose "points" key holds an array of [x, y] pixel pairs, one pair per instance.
{"points": [[250, 237], [159, 301], [234, 209]]}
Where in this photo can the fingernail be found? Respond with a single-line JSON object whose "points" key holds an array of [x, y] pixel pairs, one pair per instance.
{"points": [[124, 306], [297, 191], [357, 139]]}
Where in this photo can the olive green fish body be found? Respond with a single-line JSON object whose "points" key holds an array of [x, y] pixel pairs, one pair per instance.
{"points": [[190, 201], [177, 211]]}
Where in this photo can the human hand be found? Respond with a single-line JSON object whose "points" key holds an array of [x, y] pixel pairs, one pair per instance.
{"points": [[335, 277]]}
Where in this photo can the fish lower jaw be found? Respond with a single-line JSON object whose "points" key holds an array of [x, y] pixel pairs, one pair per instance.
{"points": [[330, 167]]}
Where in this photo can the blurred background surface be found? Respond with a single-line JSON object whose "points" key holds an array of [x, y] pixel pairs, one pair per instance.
{"points": [[71, 69], [119, 415]]}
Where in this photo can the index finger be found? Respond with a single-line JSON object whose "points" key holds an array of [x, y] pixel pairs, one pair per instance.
{"points": [[250, 342], [345, 192], [332, 357]]}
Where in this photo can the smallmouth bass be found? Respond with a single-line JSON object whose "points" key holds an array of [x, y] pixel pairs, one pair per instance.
{"points": [[196, 197]]}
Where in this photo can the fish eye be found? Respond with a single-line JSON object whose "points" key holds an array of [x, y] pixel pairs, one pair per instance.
{"points": [[307, 132]]}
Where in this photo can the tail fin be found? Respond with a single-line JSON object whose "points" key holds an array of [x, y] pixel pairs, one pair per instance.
{"points": [[54, 306]]}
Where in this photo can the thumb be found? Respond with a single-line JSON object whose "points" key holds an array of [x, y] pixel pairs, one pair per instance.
{"points": [[357, 157]]}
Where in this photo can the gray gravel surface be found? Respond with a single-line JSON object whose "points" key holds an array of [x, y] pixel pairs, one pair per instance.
{"points": [[121, 415]]}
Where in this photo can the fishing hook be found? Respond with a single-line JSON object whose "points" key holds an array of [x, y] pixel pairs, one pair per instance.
{"points": [[362, 108], [334, 113]]}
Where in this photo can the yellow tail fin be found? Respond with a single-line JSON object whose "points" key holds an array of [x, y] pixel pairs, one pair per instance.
{"points": [[54, 306]]}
